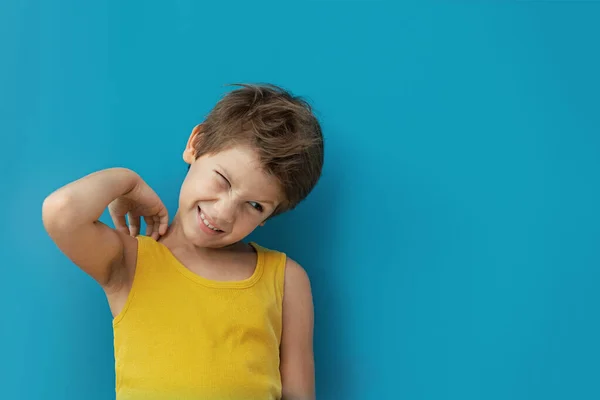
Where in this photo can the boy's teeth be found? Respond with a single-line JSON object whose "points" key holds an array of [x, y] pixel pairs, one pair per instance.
{"points": [[206, 222]]}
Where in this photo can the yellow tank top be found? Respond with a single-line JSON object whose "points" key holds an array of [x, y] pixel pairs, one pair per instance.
{"points": [[182, 336]]}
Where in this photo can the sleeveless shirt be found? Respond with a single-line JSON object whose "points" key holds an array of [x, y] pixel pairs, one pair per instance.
{"points": [[182, 336]]}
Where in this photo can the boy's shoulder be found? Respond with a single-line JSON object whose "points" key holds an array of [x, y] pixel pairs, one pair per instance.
{"points": [[293, 269]]}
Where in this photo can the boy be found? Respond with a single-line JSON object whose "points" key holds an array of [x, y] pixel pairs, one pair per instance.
{"points": [[198, 313]]}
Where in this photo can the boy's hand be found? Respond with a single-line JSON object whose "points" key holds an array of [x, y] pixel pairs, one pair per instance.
{"points": [[140, 202]]}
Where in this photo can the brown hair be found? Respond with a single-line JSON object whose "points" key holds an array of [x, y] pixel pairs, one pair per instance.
{"points": [[280, 126]]}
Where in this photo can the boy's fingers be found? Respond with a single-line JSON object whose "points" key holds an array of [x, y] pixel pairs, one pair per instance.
{"points": [[149, 225], [134, 225], [156, 221], [120, 223], [163, 221], [153, 221]]}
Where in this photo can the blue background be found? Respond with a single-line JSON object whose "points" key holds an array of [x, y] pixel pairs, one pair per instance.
{"points": [[452, 243]]}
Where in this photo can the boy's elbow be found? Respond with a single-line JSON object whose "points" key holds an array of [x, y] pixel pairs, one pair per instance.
{"points": [[56, 210]]}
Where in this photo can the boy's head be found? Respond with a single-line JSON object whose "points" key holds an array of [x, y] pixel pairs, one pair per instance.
{"points": [[258, 153]]}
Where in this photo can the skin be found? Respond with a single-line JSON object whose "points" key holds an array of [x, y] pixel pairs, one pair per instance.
{"points": [[232, 192]]}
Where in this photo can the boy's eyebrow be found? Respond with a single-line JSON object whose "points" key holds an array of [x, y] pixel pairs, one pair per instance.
{"points": [[228, 177], [265, 202]]}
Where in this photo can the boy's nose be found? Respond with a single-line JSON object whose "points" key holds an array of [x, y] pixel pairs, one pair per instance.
{"points": [[224, 211]]}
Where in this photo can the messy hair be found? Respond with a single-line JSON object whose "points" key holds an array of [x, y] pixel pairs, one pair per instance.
{"points": [[279, 126]]}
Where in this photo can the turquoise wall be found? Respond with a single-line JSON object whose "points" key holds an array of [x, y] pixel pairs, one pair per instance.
{"points": [[452, 243]]}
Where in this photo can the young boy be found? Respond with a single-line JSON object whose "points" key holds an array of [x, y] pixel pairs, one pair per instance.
{"points": [[198, 313]]}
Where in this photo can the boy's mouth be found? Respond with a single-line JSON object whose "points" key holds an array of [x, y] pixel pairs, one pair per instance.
{"points": [[206, 223]]}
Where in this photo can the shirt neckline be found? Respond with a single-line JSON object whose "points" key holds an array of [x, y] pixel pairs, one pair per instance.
{"points": [[239, 284]]}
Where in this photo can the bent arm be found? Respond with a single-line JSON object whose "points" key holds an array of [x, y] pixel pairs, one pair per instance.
{"points": [[70, 216]]}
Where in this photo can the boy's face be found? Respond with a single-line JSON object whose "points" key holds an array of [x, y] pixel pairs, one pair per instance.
{"points": [[225, 196]]}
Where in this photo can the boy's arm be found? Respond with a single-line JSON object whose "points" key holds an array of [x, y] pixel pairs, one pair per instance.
{"points": [[296, 353], [70, 216]]}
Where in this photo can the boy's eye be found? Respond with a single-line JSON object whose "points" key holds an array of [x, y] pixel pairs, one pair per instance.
{"points": [[256, 205], [223, 178]]}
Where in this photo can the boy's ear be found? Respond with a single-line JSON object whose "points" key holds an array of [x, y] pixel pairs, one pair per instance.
{"points": [[189, 154]]}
